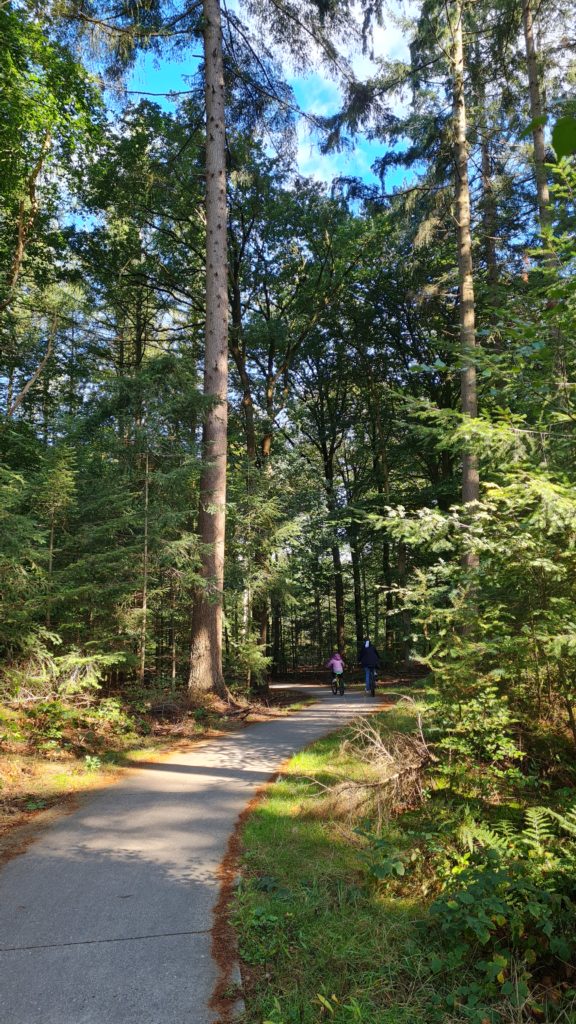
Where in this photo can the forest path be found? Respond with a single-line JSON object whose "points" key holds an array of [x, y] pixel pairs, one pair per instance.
{"points": [[107, 917]]}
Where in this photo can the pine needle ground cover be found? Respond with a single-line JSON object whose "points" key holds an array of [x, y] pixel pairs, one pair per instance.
{"points": [[456, 910]]}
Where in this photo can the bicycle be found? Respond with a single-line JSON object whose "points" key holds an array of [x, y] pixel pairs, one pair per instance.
{"points": [[337, 683], [372, 682]]}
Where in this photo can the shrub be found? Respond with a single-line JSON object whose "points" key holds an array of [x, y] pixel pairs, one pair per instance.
{"points": [[510, 915]]}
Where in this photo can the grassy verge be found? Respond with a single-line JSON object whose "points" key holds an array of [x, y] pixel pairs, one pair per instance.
{"points": [[334, 921], [318, 940]]}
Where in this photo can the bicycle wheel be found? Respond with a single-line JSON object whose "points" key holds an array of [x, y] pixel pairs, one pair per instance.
{"points": [[341, 686], [334, 685]]}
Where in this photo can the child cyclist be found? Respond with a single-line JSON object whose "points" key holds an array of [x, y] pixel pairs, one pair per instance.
{"points": [[336, 665]]}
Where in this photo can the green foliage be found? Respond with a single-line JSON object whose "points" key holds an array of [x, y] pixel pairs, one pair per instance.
{"points": [[384, 859], [248, 660], [498, 639], [474, 733], [48, 720], [564, 136], [511, 913], [66, 675]]}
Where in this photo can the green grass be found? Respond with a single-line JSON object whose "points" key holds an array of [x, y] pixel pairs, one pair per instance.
{"points": [[318, 938], [332, 927]]}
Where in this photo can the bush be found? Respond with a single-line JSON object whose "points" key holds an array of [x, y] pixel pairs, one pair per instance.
{"points": [[510, 916]]}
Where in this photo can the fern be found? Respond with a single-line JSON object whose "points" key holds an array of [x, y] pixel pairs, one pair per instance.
{"points": [[472, 832], [538, 832], [566, 821], [506, 829]]}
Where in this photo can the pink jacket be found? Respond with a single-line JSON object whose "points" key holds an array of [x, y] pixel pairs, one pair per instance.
{"points": [[335, 663]]}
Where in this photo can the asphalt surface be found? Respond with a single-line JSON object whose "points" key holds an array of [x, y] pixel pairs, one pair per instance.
{"points": [[106, 918]]}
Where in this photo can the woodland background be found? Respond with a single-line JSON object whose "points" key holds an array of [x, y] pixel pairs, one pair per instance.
{"points": [[399, 461], [346, 433]]}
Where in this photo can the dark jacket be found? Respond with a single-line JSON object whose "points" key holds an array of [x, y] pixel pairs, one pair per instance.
{"points": [[369, 657]]}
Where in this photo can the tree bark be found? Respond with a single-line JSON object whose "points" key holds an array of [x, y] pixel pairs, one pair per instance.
{"points": [[470, 477], [338, 597], [328, 458], [319, 626], [206, 647], [144, 624], [277, 656], [357, 585], [17, 402]]}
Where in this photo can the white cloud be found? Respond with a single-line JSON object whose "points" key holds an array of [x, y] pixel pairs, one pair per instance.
{"points": [[320, 94]]}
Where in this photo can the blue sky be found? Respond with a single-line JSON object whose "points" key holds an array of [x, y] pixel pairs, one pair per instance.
{"points": [[316, 93]]}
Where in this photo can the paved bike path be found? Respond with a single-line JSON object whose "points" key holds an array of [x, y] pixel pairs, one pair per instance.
{"points": [[106, 918]]}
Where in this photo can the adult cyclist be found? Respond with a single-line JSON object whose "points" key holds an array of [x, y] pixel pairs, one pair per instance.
{"points": [[369, 659]]}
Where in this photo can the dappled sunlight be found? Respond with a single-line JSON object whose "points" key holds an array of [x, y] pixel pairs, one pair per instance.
{"points": [[139, 863]]}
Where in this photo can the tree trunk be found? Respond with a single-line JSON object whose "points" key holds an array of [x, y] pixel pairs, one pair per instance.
{"points": [[206, 647], [470, 478], [319, 626], [172, 637], [276, 638], [389, 602], [328, 459], [405, 621], [488, 213], [50, 573], [536, 115], [366, 616], [338, 597], [357, 586], [144, 623]]}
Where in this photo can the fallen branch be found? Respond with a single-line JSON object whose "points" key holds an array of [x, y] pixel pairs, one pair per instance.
{"points": [[399, 760]]}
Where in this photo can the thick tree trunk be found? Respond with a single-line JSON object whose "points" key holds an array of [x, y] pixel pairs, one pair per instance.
{"points": [[470, 478], [206, 647], [536, 114]]}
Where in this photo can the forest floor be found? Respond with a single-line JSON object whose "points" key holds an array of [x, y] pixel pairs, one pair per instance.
{"points": [[51, 752]]}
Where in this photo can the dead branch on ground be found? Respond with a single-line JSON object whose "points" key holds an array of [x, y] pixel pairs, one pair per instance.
{"points": [[399, 761]]}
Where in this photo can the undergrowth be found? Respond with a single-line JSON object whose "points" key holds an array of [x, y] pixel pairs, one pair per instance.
{"points": [[457, 909]]}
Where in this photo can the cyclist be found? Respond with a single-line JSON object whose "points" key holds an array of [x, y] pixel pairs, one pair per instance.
{"points": [[336, 664], [369, 659]]}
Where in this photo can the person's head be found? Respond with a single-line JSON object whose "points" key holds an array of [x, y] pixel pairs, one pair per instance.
{"points": [[366, 642]]}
